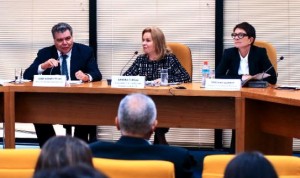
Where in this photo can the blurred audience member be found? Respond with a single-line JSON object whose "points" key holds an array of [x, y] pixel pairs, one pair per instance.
{"points": [[137, 121], [75, 171], [250, 165], [61, 151]]}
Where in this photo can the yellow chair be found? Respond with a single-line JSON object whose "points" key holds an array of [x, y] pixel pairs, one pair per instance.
{"points": [[285, 166], [114, 168], [271, 51], [18, 163], [183, 54]]}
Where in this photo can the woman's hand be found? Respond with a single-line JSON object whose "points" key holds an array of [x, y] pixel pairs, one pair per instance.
{"points": [[156, 82], [246, 77]]}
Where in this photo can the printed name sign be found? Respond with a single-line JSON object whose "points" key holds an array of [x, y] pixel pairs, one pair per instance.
{"points": [[49, 80], [128, 82], [223, 84]]}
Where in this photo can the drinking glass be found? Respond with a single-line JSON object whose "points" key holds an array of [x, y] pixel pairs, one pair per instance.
{"points": [[18, 75], [164, 77]]}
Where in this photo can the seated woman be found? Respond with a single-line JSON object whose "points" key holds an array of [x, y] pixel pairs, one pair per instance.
{"points": [[156, 57], [244, 60], [250, 165]]}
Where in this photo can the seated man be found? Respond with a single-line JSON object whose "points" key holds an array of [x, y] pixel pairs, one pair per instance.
{"points": [[137, 121], [74, 60]]}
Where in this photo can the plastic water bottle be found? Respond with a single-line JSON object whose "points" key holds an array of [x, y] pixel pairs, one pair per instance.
{"points": [[205, 73]]}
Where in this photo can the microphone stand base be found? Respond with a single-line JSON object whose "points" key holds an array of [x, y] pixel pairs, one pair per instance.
{"points": [[258, 84]]}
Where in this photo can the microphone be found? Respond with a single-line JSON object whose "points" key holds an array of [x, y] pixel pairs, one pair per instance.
{"points": [[260, 83], [280, 59], [53, 66], [134, 54]]}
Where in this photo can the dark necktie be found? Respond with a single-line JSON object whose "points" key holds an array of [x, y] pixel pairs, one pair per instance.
{"points": [[64, 67]]}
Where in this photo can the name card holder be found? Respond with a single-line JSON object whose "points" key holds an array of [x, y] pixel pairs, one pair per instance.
{"points": [[49, 80], [223, 84], [128, 82]]}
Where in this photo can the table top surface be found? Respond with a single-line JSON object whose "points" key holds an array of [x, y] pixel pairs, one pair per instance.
{"points": [[271, 94], [192, 89]]}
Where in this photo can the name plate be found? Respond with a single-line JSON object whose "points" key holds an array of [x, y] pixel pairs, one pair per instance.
{"points": [[128, 82], [49, 80], [223, 84]]}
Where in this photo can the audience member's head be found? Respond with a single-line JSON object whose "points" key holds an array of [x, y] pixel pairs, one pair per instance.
{"points": [[75, 171], [62, 151], [250, 165], [137, 116]]}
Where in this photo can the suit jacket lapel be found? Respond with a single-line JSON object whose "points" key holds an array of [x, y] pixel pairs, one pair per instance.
{"points": [[251, 61], [74, 63], [237, 60]]}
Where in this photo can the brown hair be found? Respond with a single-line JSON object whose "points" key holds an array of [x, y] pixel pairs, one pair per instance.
{"points": [[159, 41], [62, 151]]}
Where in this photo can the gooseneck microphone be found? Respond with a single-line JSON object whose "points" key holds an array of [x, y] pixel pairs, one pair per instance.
{"points": [[134, 54], [260, 83], [280, 59]]}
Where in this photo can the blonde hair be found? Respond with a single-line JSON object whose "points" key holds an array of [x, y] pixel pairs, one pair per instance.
{"points": [[159, 41]]}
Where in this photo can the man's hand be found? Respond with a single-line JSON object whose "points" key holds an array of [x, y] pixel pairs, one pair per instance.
{"points": [[82, 76], [49, 64]]}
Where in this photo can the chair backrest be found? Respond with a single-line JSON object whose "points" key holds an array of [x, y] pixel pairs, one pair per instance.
{"points": [[271, 51], [285, 166], [115, 168], [16, 163], [183, 54]]}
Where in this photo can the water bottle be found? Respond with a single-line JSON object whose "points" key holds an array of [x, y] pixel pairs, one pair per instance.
{"points": [[205, 73]]}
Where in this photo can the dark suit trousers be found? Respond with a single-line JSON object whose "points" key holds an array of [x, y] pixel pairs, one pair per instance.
{"points": [[88, 133], [43, 132], [85, 132]]}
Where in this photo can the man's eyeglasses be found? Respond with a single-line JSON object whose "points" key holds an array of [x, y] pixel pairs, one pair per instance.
{"points": [[239, 35], [60, 40]]}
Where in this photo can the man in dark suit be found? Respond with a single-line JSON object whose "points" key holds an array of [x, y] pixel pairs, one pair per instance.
{"points": [[65, 57], [137, 121]]}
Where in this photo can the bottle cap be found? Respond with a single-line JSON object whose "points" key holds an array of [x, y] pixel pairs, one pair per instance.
{"points": [[205, 62]]}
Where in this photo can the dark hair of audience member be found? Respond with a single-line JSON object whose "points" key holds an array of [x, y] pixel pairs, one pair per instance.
{"points": [[250, 165], [74, 171], [62, 151]]}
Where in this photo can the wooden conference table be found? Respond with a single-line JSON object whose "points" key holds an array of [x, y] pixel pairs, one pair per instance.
{"points": [[96, 104], [271, 119]]}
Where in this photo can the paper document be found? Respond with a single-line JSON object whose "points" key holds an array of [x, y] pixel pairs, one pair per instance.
{"points": [[258, 76]]}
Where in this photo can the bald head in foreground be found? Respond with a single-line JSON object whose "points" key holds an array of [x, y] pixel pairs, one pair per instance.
{"points": [[137, 121]]}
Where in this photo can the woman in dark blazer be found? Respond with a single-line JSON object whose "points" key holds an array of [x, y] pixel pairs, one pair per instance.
{"points": [[245, 60]]}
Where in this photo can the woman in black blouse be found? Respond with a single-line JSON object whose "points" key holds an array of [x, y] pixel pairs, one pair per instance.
{"points": [[157, 56]]}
